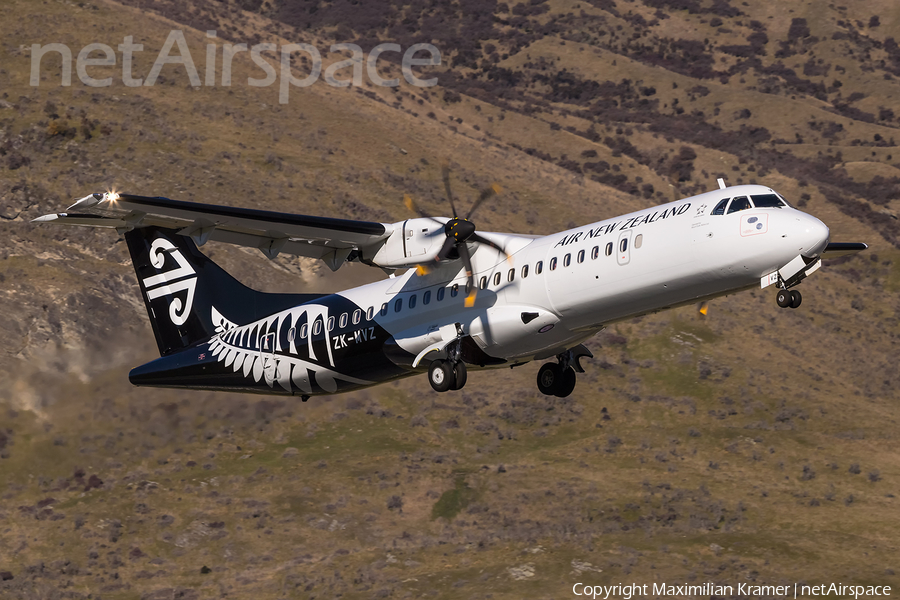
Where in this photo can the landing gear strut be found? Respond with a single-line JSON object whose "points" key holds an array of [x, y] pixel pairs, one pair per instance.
{"points": [[558, 379], [450, 374]]}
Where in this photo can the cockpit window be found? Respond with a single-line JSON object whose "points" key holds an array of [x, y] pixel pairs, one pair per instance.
{"points": [[720, 207], [739, 203], [767, 201]]}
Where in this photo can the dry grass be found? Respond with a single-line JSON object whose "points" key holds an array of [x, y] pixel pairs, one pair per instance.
{"points": [[693, 449]]}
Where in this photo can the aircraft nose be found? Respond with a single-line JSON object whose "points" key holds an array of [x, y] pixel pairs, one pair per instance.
{"points": [[815, 236]]}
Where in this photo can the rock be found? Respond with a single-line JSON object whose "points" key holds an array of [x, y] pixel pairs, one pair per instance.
{"points": [[289, 452], [521, 572]]}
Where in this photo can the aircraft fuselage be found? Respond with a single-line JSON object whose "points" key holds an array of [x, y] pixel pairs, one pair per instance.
{"points": [[554, 293]]}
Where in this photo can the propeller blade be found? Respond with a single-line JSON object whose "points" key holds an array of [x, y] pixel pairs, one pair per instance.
{"points": [[449, 243], [467, 261], [445, 175], [486, 193], [703, 308], [477, 238], [413, 207], [422, 270]]}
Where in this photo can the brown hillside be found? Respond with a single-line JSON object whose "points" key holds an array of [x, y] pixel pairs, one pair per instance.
{"points": [[755, 445]]}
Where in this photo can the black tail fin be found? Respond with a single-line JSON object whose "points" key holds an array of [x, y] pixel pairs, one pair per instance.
{"points": [[189, 297]]}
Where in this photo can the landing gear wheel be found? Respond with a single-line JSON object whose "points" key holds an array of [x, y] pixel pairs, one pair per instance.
{"points": [[566, 383], [459, 376], [796, 299], [784, 298], [549, 378], [440, 375]]}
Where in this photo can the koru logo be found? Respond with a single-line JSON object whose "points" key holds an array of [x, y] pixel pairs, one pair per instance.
{"points": [[180, 279]]}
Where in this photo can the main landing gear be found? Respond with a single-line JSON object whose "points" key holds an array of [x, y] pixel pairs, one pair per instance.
{"points": [[558, 379], [788, 298], [450, 374], [555, 380]]}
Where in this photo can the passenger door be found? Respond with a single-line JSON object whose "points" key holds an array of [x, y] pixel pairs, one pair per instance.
{"points": [[623, 248], [267, 356]]}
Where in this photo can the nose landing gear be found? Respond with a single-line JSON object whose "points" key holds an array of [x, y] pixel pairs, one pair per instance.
{"points": [[788, 298]]}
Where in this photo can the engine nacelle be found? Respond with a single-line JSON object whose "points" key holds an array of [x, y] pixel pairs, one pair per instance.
{"points": [[414, 242]]}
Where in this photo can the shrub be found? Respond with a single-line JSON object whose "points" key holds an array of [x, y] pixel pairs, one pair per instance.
{"points": [[798, 29]]}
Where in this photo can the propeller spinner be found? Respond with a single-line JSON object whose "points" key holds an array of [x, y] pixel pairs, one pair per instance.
{"points": [[459, 232]]}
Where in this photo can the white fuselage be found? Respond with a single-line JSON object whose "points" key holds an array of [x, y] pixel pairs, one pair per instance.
{"points": [[580, 280]]}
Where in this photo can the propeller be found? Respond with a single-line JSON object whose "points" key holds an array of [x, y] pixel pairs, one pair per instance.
{"points": [[459, 232], [703, 308]]}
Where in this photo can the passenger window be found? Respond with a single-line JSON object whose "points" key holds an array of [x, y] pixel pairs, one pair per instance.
{"points": [[426, 297], [496, 278], [412, 301], [580, 256], [292, 333], [357, 316], [623, 245], [468, 288], [639, 240], [511, 275], [539, 267], [330, 323], [317, 327], [384, 309], [304, 330], [738, 204], [343, 322], [609, 249], [524, 271], [483, 283], [567, 260], [440, 294], [370, 313], [454, 290], [553, 264], [767, 201], [398, 304], [595, 252], [720, 207]]}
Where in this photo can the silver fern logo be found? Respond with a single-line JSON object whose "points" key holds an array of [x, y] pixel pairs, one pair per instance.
{"points": [[280, 350], [182, 278]]}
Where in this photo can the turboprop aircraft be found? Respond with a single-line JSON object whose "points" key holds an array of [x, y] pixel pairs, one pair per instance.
{"points": [[467, 299]]}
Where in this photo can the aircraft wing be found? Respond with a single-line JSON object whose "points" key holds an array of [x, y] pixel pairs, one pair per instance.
{"points": [[836, 249], [332, 240]]}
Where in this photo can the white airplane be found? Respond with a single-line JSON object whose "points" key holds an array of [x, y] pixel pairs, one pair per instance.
{"points": [[467, 299]]}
